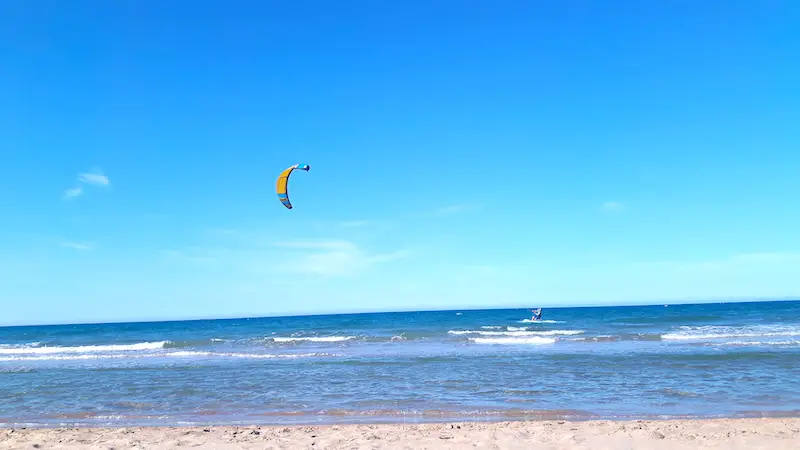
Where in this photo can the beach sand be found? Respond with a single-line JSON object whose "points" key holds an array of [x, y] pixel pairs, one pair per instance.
{"points": [[750, 434]]}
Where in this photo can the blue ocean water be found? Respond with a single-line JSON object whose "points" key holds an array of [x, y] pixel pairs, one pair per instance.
{"points": [[736, 359]]}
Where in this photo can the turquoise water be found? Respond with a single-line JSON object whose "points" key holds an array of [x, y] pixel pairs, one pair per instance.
{"points": [[740, 359]]}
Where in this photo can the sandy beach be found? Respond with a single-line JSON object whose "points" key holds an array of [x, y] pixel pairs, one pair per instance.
{"points": [[750, 434]]}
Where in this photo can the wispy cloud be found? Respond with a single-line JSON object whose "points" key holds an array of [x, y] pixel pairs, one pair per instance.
{"points": [[77, 245], [94, 178], [72, 192], [335, 257], [612, 206], [456, 209], [323, 257]]}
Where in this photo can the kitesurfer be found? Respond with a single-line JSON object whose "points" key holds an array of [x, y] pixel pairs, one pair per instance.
{"points": [[537, 314]]}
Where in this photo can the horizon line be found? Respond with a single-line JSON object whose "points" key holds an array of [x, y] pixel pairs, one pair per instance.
{"points": [[666, 302]]}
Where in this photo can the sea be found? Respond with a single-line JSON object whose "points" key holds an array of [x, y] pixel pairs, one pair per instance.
{"points": [[647, 362]]}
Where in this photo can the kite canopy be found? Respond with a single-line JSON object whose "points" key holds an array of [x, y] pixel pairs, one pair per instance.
{"points": [[282, 185]]}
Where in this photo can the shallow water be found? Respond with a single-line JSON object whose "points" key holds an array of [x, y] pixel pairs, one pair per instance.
{"points": [[740, 359]]}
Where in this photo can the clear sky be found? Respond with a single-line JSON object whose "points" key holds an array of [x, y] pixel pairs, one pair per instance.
{"points": [[463, 154]]}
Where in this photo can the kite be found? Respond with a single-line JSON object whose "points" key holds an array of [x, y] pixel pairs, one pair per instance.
{"points": [[282, 185]]}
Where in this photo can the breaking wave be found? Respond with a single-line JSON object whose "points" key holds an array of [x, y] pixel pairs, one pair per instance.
{"points": [[534, 340]]}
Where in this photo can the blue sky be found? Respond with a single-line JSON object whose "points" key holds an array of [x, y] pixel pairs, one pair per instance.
{"points": [[463, 154]]}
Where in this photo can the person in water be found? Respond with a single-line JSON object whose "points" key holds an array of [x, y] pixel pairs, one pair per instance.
{"points": [[537, 314]]}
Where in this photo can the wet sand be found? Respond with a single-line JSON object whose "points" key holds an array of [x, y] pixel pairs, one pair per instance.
{"points": [[750, 434]]}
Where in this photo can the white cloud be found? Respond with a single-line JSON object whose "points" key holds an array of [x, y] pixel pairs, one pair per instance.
{"points": [[612, 206], [72, 192], [95, 178], [77, 245]]}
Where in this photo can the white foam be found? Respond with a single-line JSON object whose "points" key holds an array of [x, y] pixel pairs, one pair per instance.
{"points": [[558, 332], [66, 357], [732, 343], [496, 327], [188, 353], [540, 321], [515, 341], [314, 338], [518, 333], [84, 348], [723, 332], [161, 355], [30, 344], [599, 338], [251, 355]]}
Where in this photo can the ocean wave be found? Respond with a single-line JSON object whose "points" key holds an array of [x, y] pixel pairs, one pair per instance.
{"points": [[533, 340], [518, 333], [748, 343], [192, 343], [67, 357], [253, 355], [141, 346], [178, 354], [504, 327], [312, 338], [601, 338], [30, 344], [727, 332], [556, 332]]}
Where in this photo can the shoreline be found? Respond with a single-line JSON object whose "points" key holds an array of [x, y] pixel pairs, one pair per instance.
{"points": [[674, 434], [389, 419]]}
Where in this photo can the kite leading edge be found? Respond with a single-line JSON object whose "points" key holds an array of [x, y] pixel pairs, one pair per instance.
{"points": [[282, 185]]}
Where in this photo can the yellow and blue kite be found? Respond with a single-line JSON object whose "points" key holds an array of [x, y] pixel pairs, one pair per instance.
{"points": [[282, 185]]}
